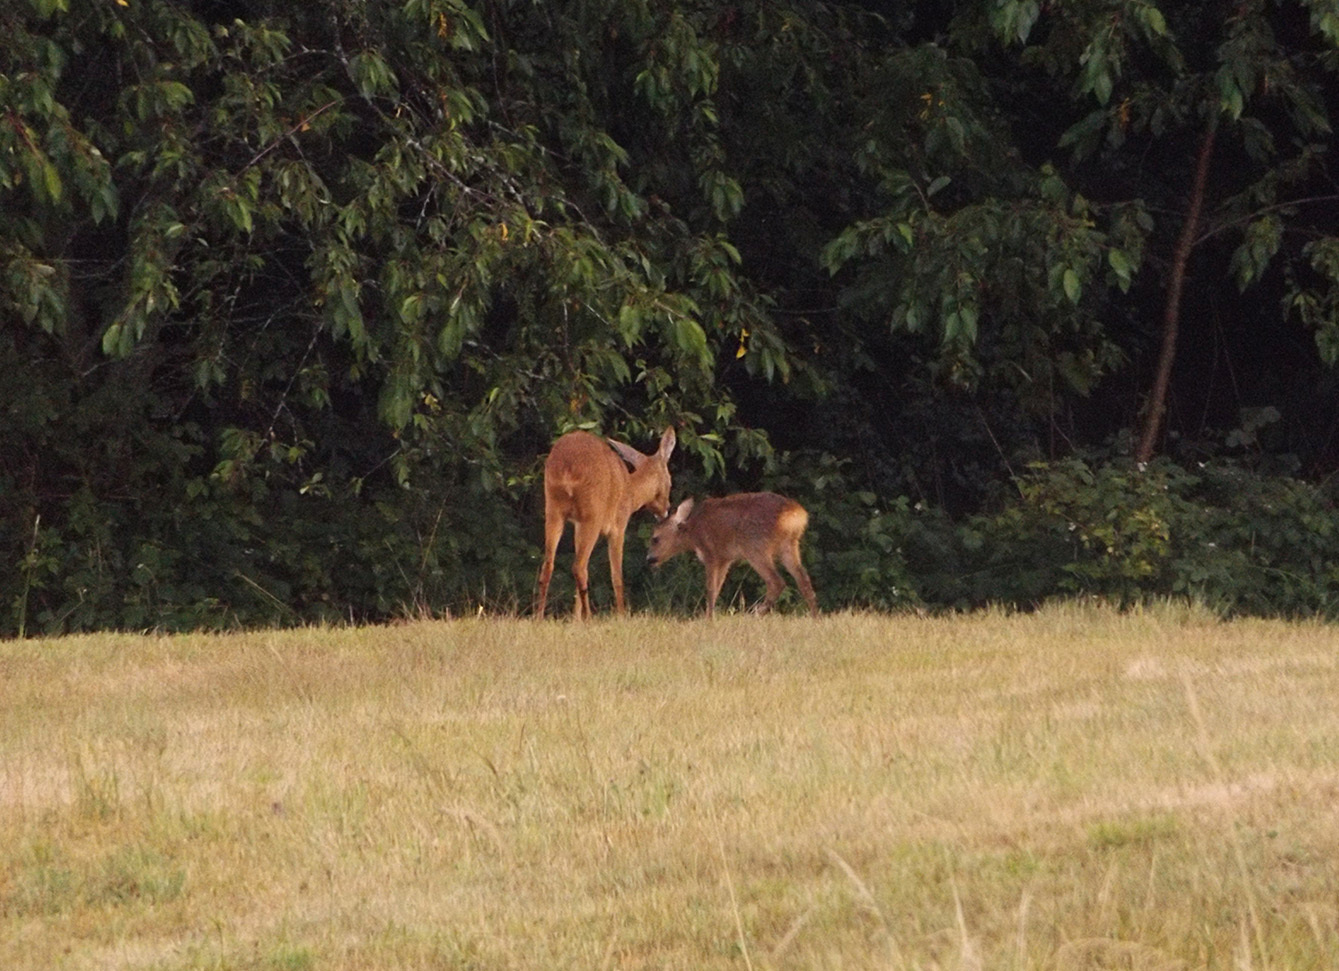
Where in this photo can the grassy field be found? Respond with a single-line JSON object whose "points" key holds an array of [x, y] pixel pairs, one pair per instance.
{"points": [[1073, 789]]}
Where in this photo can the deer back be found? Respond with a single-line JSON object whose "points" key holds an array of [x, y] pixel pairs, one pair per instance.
{"points": [[588, 483]]}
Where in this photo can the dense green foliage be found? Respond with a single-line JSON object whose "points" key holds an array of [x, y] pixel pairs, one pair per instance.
{"points": [[293, 297]]}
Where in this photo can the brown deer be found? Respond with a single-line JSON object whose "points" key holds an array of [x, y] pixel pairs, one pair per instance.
{"points": [[753, 526], [587, 484]]}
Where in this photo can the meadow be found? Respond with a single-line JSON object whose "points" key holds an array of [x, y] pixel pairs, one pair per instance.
{"points": [[1076, 788]]}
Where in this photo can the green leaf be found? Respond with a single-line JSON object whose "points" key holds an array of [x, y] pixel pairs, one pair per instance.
{"points": [[1073, 288], [630, 320], [1028, 12], [411, 308], [52, 182], [372, 75], [689, 337], [45, 8], [1102, 85], [396, 403], [1258, 247], [1120, 265], [112, 340], [1085, 135], [348, 315], [968, 314]]}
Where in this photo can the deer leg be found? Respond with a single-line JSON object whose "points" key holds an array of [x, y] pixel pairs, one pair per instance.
{"points": [[790, 558], [615, 543], [715, 580], [767, 570], [584, 537], [553, 532]]}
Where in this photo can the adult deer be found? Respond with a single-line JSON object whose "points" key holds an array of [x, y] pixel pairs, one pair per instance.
{"points": [[587, 484], [753, 526]]}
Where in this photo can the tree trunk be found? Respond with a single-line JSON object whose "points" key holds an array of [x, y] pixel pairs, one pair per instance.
{"points": [[1156, 409]]}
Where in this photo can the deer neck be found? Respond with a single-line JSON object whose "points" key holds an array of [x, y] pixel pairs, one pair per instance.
{"points": [[641, 487]]}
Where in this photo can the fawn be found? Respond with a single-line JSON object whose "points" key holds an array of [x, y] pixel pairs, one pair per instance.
{"points": [[753, 526]]}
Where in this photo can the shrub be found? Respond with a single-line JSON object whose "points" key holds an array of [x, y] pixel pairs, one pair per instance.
{"points": [[1220, 533]]}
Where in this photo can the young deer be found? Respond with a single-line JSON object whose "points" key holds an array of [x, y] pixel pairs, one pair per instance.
{"points": [[753, 526], [587, 484]]}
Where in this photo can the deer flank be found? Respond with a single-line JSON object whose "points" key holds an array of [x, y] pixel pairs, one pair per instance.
{"points": [[753, 526]]}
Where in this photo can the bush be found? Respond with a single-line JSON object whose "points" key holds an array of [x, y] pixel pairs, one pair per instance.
{"points": [[1220, 533]]}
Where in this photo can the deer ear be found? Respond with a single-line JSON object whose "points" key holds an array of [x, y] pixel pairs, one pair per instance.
{"points": [[681, 514], [667, 441], [629, 454]]}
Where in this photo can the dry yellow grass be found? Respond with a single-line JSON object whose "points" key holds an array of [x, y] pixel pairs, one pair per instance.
{"points": [[1074, 789]]}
